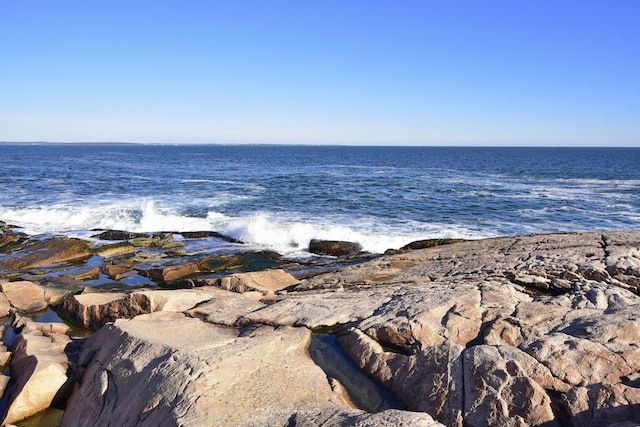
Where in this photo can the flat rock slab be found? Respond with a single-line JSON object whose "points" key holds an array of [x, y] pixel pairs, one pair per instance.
{"points": [[114, 250], [550, 256], [227, 308], [43, 253], [169, 273], [320, 310], [166, 369], [267, 281], [29, 297]]}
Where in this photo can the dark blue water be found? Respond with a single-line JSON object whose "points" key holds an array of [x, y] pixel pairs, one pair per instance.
{"points": [[281, 196]]}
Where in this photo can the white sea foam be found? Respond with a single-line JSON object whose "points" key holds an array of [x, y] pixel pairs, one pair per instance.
{"points": [[273, 199], [293, 236], [134, 215], [260, 230]]}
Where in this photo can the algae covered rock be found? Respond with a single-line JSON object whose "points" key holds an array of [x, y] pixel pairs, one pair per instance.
{"points": [[334, 247], [42, 253]]}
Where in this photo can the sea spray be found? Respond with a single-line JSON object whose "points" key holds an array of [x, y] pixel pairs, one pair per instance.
{"points": [[279, 197]]}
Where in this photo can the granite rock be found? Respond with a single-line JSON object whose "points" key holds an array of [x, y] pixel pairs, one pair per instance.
{"points": [[166, 369]]}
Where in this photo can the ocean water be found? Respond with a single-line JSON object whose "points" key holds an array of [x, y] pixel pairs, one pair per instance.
{"points": [[279, 197]]}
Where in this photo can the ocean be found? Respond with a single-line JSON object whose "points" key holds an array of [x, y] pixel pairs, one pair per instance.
{"points": [[279, 197]]}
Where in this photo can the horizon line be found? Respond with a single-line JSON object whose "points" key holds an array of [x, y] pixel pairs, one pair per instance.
{"points": [[317, 144]]}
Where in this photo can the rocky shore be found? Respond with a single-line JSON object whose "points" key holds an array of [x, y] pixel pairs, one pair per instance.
{"points": [[128, 330]]}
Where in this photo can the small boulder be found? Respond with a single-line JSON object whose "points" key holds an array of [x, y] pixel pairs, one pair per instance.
{"points": [[39, 374], [334, 247], [267, 282], [116, 271], [5, 356], [169, 273], [90, 274], [93, 310]]}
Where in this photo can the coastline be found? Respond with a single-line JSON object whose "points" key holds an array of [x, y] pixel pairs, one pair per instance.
{"points": [[474, 324]]}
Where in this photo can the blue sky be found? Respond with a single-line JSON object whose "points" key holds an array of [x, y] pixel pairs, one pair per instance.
{"points": [[348, 72]]}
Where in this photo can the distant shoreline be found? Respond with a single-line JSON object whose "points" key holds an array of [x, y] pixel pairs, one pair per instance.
{"points": [[65, 143], [285, 144]]}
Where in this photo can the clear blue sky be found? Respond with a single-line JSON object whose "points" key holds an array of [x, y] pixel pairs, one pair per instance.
{"points": [[543, 72]]}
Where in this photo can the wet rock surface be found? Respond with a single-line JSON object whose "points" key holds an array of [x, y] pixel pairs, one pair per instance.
{"points": [[525, 330], [334, 247]]}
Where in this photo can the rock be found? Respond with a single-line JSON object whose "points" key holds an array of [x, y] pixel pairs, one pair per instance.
{"points": [[243, 262], [30, 297], [8, 238], [429, 381], [604, 405], [169, 273], [43, 253], [118, 235], [498, 391], [38, 374], [91, 274], [503, 332], [267, 282], [25, 326], [178, 301], [226, 308], [5, 356], [577, 361], [334, 247], [523, 330], [164, 241], [389, 418], [427, 316], [5, 304], [4, 382], [116, 271], [93, 310], [203, 234], [165, 369], [429, 243], [319, 310], [114, 250]]}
